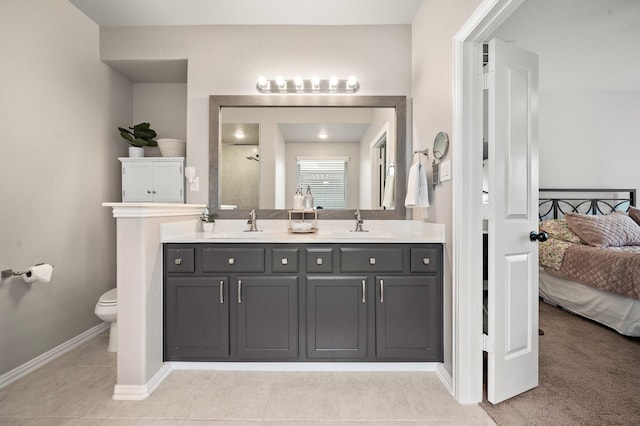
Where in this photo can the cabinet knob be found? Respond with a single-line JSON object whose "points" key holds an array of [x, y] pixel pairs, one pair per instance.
{"points": [[372, 261], [284, 261], [425, 261], [232, 261], [148, 192], [153, 192], [319, 261], [178, 261]]}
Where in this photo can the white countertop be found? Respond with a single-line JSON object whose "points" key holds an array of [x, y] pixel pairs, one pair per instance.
{"points": [[329, 231]]}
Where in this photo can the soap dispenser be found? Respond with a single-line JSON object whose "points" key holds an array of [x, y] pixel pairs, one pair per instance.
{"points": [[308, 199], [298, 200]]}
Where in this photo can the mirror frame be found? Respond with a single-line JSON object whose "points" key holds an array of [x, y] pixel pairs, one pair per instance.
{"points": [[399, 103]]}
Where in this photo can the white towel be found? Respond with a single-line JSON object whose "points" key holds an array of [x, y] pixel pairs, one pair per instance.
{"points": [[387, 199], [417, 189]]}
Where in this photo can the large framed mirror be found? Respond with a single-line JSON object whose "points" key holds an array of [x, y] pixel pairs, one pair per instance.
{"points": [[260, 148]]}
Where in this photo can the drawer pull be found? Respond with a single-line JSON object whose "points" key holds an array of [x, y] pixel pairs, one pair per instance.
{"points": [[425, 261], [232, 261], [239, 291], [372, 261], [221, 291], [319, 261], [284, 261], [364, 291], [177, 261], [381, 291]]}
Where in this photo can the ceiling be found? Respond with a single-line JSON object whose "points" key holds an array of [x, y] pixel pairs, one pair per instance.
{"points": [[118, 13]]}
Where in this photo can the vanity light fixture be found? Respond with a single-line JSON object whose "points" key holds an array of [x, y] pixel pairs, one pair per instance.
{"points": [[315, 85]]}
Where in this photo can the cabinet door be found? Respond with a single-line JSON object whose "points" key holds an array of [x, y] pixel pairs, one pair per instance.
{"points": [[337, 317], [409, 318], [168, 182], [267, 317], [137, 182], [196, 318]]}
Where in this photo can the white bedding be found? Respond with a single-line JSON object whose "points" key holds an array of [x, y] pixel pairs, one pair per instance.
{"points": [[613, 310]]}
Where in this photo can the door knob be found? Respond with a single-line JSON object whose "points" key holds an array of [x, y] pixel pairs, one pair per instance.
{"points": [[542, 236]]}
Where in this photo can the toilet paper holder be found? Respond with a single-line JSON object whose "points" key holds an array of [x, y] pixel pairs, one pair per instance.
{"points": [[11, 273]]}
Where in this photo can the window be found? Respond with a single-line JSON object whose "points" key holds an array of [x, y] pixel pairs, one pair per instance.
{"points": [[327, 178]]}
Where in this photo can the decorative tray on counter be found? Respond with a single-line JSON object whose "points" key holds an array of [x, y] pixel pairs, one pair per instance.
{"points": [[307, 217], [302, 231]]}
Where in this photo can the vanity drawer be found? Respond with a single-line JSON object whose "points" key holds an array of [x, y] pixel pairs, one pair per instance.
{"points": [[179, 260], [426, 259], [319, 259], [371, 259], [284, 260], [223, 259]]}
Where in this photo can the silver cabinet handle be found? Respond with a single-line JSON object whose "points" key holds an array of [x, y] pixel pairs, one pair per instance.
{"points": [[372, 261], [425, 261], [319, 261], [232, 261], [239, 291], [284, 261], [364, 291], [221, 291], [381, 291], [178, 261]]}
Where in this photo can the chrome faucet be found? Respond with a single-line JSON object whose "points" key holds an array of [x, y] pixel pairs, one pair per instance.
{"points": [[252, 222], [359, 222]]}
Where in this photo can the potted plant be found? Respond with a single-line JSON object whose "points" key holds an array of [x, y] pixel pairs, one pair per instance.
{"points": [[208, 220], [138, 136]]}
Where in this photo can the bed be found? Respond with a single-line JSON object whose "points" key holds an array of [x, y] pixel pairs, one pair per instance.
{"points": [[590, 264]]}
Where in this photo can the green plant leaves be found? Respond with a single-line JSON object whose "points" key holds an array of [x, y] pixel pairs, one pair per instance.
{"points": [[142, 135]]}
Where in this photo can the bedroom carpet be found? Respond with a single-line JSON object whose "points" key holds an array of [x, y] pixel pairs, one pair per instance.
{"points": [[589, 375]]}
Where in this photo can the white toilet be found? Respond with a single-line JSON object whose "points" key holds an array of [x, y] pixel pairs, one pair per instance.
{"points": [[107, 310]]}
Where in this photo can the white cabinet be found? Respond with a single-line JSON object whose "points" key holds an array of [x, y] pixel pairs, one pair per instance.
{"points": [[153, 179]]}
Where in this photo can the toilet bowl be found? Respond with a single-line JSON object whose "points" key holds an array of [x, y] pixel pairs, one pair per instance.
{"points": [[107, 310]]}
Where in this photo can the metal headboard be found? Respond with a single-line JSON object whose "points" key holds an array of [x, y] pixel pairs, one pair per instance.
{"points": [[554, 203]]}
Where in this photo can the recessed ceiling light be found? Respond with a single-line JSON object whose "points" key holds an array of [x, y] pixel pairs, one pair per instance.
{"points": [[239, 134], [323, 135]]}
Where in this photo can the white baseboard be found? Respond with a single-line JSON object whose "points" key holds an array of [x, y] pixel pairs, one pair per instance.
{"points": [[445, 377], [140, 392], [41, 360]]}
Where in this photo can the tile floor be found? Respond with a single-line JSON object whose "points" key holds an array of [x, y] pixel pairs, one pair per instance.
{"points": [[76, 389]]}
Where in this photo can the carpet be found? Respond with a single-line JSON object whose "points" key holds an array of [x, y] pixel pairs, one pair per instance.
{"points": [[589, 375]]}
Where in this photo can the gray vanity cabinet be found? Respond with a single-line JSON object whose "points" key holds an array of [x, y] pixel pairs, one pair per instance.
{"points": [[267, 317], [196, 323], [303, 302], [408, 317], [337, 322]]}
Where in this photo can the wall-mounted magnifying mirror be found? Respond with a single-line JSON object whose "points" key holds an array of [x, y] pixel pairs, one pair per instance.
{"points": [[440, 148], [440, 145]]}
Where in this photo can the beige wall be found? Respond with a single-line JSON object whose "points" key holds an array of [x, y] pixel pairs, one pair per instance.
{"points": [[227, 60], [59, 111], [433, 29]]}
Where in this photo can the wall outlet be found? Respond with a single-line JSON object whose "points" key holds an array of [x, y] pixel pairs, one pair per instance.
{"points": [[445, 170]]}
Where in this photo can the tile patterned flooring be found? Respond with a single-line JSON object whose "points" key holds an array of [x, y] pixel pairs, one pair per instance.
{"points": [[76, 389]]}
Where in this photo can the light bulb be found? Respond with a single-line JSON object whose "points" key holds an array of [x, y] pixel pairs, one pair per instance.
{"points": [[323, 135], [299, 83], [239, 134], [263, 83], [280, 81], [333, 82], [351, 82], [315, 82]]}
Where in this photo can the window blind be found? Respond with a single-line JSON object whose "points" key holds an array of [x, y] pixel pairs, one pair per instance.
{"points": [[328, 181]]}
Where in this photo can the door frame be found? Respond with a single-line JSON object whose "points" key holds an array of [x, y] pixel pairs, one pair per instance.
{"points": [[468, 211]]}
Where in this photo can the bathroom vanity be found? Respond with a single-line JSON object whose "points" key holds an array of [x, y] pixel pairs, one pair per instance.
{"points": [[283, 297]]}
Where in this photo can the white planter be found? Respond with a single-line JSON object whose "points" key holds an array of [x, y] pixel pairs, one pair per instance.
{"points": [[208, 226], [136, 151], [172, 147]]}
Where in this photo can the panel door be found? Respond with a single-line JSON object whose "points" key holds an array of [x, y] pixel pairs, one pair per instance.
{"points": [[137, 182], [409, 318], [168, 182], [337, 317], [513, 258], [267, 317], [196, 318]]}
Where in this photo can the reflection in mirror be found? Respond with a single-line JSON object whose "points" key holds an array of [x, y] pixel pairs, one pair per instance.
{"points": [[350, 150], [240, 164]]}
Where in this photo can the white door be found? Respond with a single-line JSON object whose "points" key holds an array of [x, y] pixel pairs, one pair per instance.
{"points": [[512, 341]]}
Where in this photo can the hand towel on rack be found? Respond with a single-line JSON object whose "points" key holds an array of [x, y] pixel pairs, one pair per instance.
{"points": [[417, 189], [387, 199]]}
